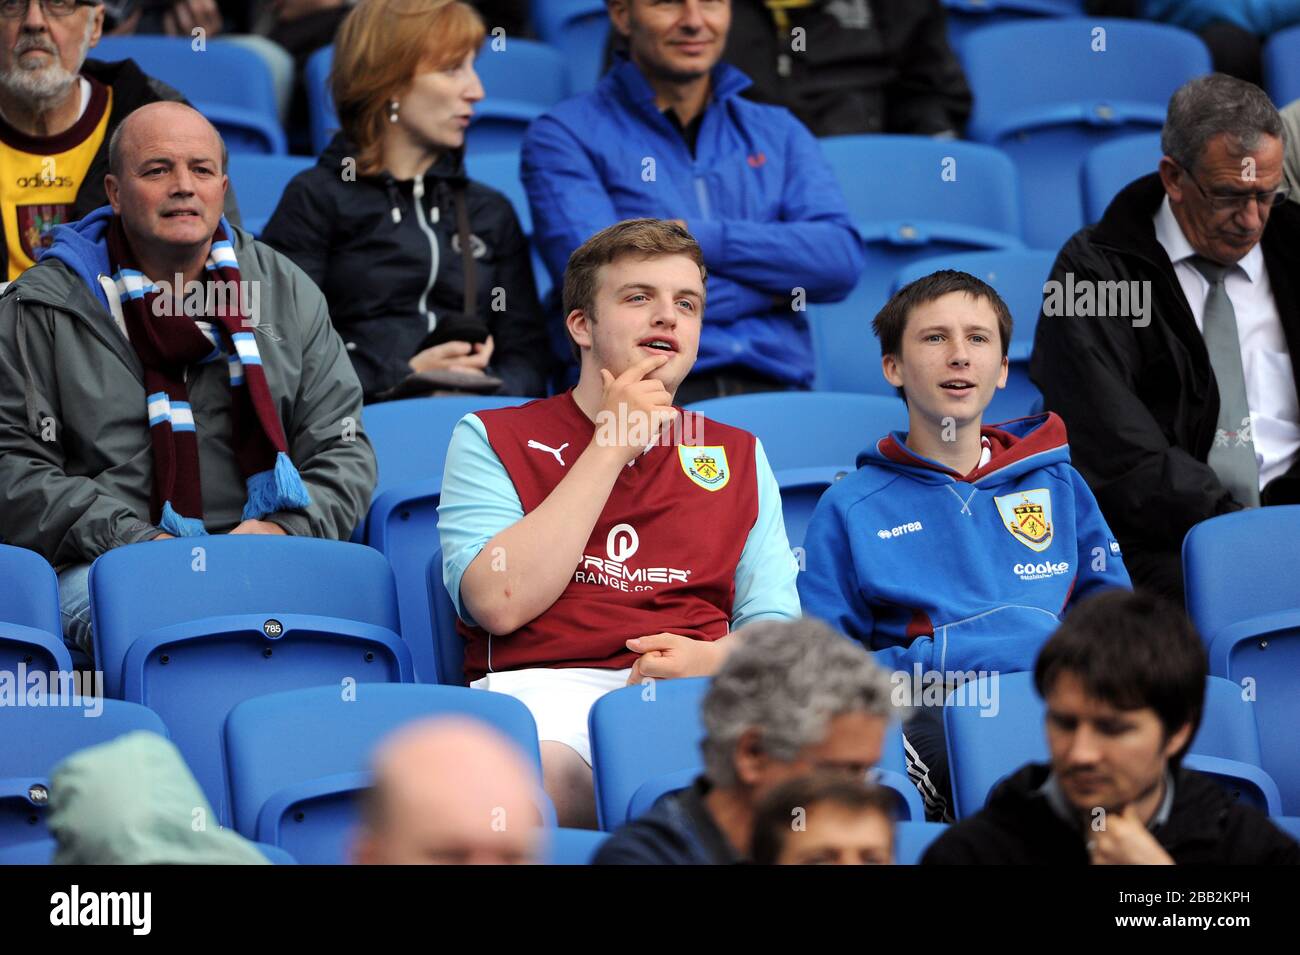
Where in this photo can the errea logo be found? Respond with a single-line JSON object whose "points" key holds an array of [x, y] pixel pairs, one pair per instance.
{"points": [[910, 527]]}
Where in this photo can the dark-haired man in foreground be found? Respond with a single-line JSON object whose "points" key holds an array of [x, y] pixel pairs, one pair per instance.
{"points": [[1124, 683]]}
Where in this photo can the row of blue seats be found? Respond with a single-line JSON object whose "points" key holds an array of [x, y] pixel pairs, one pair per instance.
{"points": [[297, 759], [912, 219], [1078, 82], [192, 628]]}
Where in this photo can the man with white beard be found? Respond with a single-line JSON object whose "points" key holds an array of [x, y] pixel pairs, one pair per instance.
{"points": [[58, 111]]}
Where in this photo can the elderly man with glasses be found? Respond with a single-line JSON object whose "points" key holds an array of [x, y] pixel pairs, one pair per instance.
{"points": [[1184, 407], [58, 112]]}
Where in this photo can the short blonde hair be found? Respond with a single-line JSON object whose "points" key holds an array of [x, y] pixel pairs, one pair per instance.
{"points": [[380, 47]]}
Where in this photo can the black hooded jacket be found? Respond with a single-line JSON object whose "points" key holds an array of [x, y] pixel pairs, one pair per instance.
{"points": [[1020, 827], [393, 273], [132, 88], [1141, 403]]}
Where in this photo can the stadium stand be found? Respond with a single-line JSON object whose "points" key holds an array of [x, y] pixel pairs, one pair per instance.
{"points": [[1077, 83], [1247, 610], [1282, 66], [911, 197], [1110, 167], [229, 84], [578, 29], [259, 182], [30, 628], [299, 759], [191, 630], [38, 736], [448, 646], [967, 16], [912, 838]]}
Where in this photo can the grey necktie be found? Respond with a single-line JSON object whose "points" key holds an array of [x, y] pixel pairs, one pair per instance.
{"points": [[1233, 454]]}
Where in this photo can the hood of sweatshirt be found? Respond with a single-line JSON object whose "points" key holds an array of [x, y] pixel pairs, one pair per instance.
{"points": [[133, 801], [1016, 448]]}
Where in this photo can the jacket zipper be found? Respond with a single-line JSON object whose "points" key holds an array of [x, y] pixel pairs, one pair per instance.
{"points": [[430, 320]]}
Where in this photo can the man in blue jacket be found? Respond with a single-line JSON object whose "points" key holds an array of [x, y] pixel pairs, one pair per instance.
{"points": [[954, 548], [666, 134]]}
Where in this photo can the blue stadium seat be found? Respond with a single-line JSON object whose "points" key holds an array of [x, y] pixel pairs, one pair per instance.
{"points": [[579, 30], [645, 742], [911, 197], [1282, 66], [259, 182], [967, 16], [41, 852], [801, 489], [192, 627], [521, 82], [1288, 824], [322, 120], [229, 84], [638, 733], [572, 846], [911, 839], [38, 738], [1066, 94], [803, 429], [448, 645], [1241, 594], [298, 759], [410, 439], [983, 750], [1108, 168], [31, 630], [1018, 276], [500, 170]]}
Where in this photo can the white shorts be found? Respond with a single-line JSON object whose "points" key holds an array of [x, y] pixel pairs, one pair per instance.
{"points": [[559, 699]]}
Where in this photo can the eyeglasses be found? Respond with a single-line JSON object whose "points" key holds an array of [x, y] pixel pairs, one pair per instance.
{"points": [[17, 9], [1237, 201]]}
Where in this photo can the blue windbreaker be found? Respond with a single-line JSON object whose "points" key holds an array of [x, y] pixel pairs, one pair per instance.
{"points": [[757, 195], [923, 565]]}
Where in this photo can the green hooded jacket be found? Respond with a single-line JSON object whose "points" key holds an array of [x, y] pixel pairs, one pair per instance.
{"points": [[76, 462]]}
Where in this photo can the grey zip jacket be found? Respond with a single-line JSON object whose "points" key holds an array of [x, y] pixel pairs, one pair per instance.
{"points": [[76, 462]]}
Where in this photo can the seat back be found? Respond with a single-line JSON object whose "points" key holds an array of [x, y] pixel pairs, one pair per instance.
{"points": [[448, 645], [572, 846], [1077, 82], [911, 197], [579, 30], [259, 182], [322, 119], [39, 736], [1108, 168], [967, 16], [299, 759], [912, 838], [31, 629], [228, 83], [804, 429], [192, 628], [1282, 66]]}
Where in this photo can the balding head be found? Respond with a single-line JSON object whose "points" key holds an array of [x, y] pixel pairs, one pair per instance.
{"points": [[450, 790], [168, 185], [160, 115]]}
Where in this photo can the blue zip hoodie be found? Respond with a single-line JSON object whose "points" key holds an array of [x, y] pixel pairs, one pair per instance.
{"points": [[757, 195], [959, 573]]}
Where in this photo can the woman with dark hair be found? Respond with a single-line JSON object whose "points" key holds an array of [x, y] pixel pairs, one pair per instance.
{"points": [[426, 272]]}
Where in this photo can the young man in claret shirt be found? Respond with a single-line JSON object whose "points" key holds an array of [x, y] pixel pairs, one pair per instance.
{"points": [[602, 537]]}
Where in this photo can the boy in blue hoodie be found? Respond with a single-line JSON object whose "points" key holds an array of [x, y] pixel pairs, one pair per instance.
{"points": [[955, 547]]}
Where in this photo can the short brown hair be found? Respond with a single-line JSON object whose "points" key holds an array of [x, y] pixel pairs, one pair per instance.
{"points": [[645, 238], [774, 812], [891, 321], [380, 47]]}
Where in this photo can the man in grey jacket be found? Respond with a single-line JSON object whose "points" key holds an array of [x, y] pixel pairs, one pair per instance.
{"points": [[163, 374]]}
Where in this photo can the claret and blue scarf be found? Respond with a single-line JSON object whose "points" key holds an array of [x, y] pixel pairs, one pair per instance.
{"points": [[168, 345]]}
